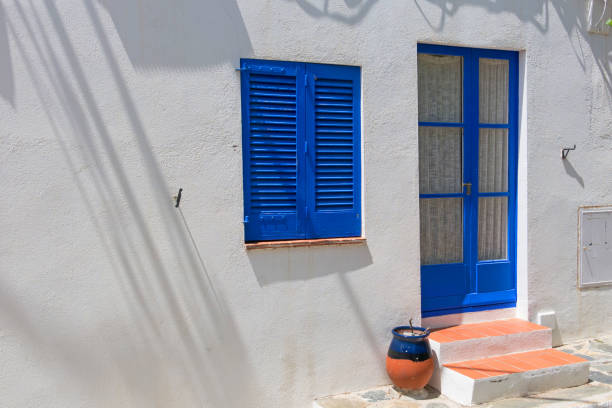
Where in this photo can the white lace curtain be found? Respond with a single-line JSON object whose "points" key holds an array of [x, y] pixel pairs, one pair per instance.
{"points": [[493, 159], [441, 158]]}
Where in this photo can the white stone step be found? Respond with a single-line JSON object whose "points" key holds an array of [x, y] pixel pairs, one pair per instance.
{"points": [[488, 339], [512, 375]]}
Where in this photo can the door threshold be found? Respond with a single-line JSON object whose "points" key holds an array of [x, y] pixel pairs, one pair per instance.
{"points": [[454, 319]]}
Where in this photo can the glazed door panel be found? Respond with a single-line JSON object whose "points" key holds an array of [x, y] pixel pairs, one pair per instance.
{"points": [[467, 178]]}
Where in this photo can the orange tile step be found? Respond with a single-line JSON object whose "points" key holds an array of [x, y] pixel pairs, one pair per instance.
{"points": [[513, 363], [485, 329]]}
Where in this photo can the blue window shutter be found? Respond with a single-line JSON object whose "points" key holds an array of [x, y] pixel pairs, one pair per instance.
{"points": [[333, 156], [272, 106]]}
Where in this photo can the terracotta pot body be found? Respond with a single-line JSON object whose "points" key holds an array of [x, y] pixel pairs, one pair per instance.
{"points": [[409, 361]]}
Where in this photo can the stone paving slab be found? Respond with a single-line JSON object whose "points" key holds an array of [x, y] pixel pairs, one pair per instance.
{"points": [[596, 393]]}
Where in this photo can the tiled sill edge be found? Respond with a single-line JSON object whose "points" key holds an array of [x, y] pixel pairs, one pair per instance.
{"points": [[305, 242]]}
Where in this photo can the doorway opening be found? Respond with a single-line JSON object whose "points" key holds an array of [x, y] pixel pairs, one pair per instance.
{"points": [[468, 154]]}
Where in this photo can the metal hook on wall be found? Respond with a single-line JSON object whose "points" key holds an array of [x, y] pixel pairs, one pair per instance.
{"points": [[565, 151], [177, 198]]}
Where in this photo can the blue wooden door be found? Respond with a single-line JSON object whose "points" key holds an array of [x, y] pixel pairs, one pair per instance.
{"points": [[468, 113]]}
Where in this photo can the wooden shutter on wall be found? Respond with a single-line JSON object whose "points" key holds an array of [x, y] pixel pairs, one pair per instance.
{"points": [[333, 160], [271, 109], [301, 150]]}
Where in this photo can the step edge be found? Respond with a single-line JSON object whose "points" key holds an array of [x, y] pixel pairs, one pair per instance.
{"points": [[497, 346], [529, 381], [535, 370], [468, 391], [457, 387], [523, 352], [496, 355], [545, 329], [536, 326]]}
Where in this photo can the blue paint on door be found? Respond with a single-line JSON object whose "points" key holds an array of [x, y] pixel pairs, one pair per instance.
{"points": [[475, 284]]}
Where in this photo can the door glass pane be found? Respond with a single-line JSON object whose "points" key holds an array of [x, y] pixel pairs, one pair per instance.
{"points": [[440, 159], [492, 228], [493, 90], [441, 230], [493, 160], [440, 88]]}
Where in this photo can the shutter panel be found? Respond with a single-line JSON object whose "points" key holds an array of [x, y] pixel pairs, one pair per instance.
{"points": [[270, 120], [333, 162]]}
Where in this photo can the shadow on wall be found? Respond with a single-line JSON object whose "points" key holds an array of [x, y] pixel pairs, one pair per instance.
{"points": [[303, 263], [536, 12], [533, 11], [7, 85], [209, 32], [179, 334], [571, 171], [351, 13]]}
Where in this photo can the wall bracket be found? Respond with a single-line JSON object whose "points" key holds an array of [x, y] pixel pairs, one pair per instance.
{"points": [[565, 151]]}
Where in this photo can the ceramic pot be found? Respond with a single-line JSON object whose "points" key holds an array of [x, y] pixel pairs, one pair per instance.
{"points": [[409, 361]]}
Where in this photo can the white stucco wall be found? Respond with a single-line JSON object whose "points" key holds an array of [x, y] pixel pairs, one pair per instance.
{"points": [[109, 296]]}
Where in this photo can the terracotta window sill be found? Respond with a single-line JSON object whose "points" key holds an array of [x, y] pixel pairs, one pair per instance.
{"points": [[305, 242]]}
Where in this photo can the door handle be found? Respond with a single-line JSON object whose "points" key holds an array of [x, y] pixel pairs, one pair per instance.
{"points": [[468, 190]]}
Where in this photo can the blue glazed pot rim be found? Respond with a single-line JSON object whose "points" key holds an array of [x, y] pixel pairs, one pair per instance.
{"points": [[399, 336]]}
